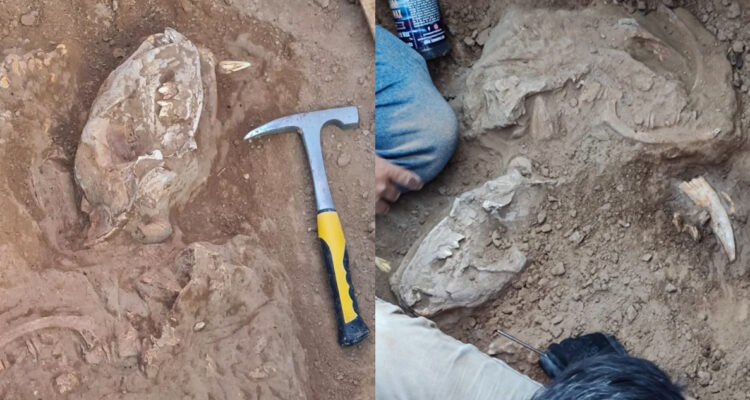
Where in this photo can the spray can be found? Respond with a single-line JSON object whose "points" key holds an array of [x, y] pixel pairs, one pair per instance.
{"points": [[420, 25]]}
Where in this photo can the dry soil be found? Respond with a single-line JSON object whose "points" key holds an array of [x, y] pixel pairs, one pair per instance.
{"points": [[627, 271], [305, 55]]}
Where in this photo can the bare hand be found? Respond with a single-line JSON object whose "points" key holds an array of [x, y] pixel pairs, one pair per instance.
{"points": [[388, 177]]}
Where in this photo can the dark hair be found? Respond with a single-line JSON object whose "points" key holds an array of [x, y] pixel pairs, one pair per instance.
{"points": [[611, 377]]}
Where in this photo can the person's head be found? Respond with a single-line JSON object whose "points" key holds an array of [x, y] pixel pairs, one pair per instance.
{"points": [[611, 377]]}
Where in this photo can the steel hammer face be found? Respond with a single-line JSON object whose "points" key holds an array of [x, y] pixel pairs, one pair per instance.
{"points": [[309, 125]]}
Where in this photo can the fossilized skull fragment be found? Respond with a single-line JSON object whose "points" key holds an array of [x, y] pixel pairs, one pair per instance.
{"points": [[148, 142]]}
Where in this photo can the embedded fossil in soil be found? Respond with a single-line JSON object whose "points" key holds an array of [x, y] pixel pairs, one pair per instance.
{"points": [[148, 143]]}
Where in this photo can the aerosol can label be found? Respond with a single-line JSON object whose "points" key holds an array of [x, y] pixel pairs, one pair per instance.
{"points": [[418, 23]]}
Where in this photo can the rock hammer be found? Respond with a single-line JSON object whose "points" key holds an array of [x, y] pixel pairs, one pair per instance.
{"points": [[351, 327]]}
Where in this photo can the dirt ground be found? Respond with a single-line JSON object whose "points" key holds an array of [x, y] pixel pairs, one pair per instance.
{"points": [[667, 297], [305, 55]]}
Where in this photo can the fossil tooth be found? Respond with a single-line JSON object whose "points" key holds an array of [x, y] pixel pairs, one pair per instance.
{"points": [[228, 66], [704, 196], [168, 90], [166, 108]]}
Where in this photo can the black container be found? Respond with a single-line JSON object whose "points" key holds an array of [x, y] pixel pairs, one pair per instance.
{"points": [[420, 25]]}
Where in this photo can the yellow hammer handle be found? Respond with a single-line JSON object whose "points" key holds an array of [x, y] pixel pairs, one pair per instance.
{"points": [[351, 327]]}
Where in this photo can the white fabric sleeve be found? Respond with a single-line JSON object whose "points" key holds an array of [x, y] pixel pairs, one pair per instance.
{"points": [[414, 360]]}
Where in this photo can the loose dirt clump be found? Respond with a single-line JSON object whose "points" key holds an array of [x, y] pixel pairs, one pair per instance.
{"points": [[124, 315], [604, 251]]}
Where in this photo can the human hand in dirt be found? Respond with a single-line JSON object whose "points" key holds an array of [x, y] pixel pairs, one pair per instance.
{"points": [[388, 178]]}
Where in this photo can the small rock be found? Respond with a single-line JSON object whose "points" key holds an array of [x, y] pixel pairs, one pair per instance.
{"points": [[344, 160], [501, 346], [246, 176], [704, 378], [556, 331], [483, 36], [738, 46], [576, 237], [546, 228], [557, 319], [733, 11], [646, 257], [66, 383], [323, 3], [469, 41], [541, 217], [670, 288], [558, 269], [30, 18], [199, 326], [631, 313], [521, 164]]}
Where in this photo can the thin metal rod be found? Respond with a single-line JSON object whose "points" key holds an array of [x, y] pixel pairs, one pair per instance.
{"points": [[521, 342]]}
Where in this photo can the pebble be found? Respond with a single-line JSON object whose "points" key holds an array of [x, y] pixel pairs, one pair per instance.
{"points": [[119, 52], [483, 36], [344, 160], [556, 331], [66, 383], [541, 217], [469, 41], [30, 19], [246, 176], [704, 378], [631, 313], [738, 46], [733, 11], [557, 320], [546, 228], [522, 164], [199, 326], [576, 237], [646, 257], [670, 288], [558, 269]]}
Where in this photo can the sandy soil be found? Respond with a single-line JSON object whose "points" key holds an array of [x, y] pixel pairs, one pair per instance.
{"points": [[666, 297], [306, 56]]}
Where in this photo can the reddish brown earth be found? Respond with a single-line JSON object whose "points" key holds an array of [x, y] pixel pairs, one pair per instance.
{"points": [[668, 298], [61, 300]]}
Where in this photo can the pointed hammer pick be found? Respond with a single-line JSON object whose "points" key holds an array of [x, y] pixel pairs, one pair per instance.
{"points": [[351, 327]]}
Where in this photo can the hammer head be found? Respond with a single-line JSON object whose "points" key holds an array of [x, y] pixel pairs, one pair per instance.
{"points": [[309, 124]]}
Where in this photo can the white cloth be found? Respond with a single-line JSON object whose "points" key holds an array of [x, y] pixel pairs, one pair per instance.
{"points": [[414, 360]]}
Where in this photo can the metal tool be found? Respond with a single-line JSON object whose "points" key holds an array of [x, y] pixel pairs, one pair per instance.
{"points": [[522, 343], [351, 327], [559, 355]]}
